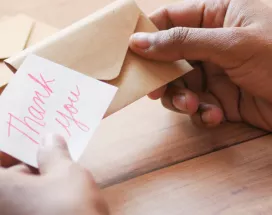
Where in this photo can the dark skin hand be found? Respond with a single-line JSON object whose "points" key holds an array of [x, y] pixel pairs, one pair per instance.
{"points": [[229, 44]]}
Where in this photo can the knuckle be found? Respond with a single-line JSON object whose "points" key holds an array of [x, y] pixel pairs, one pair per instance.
{"points": [[178, 35], [172, 37]]}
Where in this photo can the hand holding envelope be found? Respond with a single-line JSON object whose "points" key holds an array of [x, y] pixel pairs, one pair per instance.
{"points": [[96, 46]]}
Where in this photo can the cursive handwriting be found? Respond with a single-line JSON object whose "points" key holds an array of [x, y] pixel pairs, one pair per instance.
{"points": [[29, 125], [69, 114]]}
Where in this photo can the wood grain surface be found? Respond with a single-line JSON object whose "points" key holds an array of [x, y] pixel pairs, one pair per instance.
{"points": [[144, 136], [235, 181]]}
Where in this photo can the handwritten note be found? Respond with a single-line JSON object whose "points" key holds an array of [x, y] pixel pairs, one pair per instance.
{"points": [[44, 97]]}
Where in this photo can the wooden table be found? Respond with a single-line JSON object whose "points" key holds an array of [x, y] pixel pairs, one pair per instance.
{"points": [[149, 160]]}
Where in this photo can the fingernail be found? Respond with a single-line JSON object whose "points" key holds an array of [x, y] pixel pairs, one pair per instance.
{"points": [[179, 102], [141, 40], [206, 117]]}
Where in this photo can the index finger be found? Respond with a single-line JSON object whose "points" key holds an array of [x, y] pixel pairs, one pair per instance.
{"points": [[187, 13]]}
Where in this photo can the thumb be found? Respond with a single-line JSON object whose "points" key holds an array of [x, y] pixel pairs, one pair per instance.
{"points": [[53, 154], [216, 45]]}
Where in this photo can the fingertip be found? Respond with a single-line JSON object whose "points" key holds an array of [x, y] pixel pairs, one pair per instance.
{"points": [[192, 103], [53, 151], [157, 93], [154, 46], [139, 41], [186, 102], [52, 142], [54, 139], [212, 116], [180, 103], [161, 19], [152, 96]]}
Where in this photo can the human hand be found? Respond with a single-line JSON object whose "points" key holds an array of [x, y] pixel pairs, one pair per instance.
{"points": [[62, 187], [229, 43]]}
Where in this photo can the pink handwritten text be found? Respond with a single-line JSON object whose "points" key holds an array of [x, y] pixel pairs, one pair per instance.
{"points": [[29, 125], [69, 113]]}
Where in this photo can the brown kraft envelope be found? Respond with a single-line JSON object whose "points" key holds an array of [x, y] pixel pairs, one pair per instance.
{"points": [[98, 47], [27, 37]]}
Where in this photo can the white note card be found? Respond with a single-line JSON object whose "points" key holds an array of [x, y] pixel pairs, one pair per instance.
{"points": [[44, 97]]}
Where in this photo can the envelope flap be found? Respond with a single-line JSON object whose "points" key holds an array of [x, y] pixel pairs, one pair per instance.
{"points": [[95, 45], [140, 76]]}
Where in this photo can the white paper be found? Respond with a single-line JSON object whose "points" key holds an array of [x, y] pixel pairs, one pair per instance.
{"points": [[44, 97]]}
